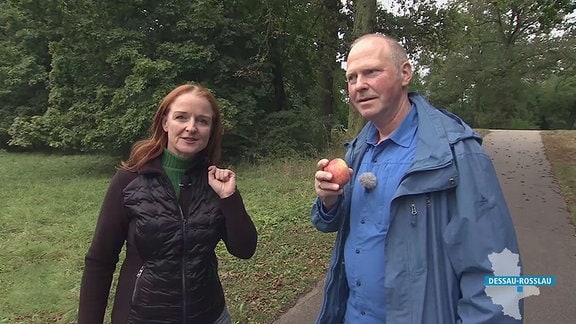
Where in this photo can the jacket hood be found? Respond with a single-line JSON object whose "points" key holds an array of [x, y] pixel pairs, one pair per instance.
{"points": [[455, 129]]}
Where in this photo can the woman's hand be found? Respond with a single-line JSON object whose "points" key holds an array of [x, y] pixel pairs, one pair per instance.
{"points": [[223, 181]]}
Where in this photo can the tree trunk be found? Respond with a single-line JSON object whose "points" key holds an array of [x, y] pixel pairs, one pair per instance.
{"points": [[572, 119], [328, 47], [277, 59], [364, 23]]}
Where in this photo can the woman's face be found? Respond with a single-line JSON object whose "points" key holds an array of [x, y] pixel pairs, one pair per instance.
{"points": [[188, 124]]}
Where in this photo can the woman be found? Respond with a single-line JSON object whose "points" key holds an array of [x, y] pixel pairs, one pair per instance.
{"points": [[171, 205]]}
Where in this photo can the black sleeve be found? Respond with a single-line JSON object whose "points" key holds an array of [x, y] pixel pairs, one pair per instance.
{"points": [[102, 257], [241, 236]]}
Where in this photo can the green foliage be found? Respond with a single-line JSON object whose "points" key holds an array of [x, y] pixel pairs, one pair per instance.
{"points": [[498, 54], [132, 106], [288, 133], [23, 74], [554, 102], [87, 76], [108, 72]]}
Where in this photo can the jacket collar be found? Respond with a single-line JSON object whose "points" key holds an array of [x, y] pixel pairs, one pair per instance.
{"points": [[438, 130]]}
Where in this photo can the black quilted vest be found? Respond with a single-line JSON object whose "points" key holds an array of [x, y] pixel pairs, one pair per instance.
{"points": [[178, 282]]}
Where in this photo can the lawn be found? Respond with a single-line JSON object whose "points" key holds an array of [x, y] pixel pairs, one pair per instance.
{"points": [[49, 209], [48, 213], [560, 148]]}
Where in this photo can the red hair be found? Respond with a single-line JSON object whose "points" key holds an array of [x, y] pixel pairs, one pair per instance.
{"points": [[145, 150]]}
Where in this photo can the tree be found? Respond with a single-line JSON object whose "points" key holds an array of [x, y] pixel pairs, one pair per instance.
{"points": [[112, 62], [554, 90], [109, 71], [503, 47], [25, 61], [329, 22], [364, 23]]}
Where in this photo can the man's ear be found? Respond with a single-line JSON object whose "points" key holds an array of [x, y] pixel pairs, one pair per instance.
{"points": [[406, 70]]}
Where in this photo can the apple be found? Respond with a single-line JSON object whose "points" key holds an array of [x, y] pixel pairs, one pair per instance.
{"points": [[339, 170]]}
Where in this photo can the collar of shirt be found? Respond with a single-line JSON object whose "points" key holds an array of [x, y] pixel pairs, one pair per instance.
{"points": [[403, 135]]}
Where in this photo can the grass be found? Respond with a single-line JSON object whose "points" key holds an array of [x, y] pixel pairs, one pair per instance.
{"points": [[291, 256], [48, 213], [49, 209], [560, 148], [47, 216]]}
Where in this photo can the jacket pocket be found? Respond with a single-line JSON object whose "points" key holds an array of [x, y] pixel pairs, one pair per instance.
{"points": [[416, 245], [137, 284]]}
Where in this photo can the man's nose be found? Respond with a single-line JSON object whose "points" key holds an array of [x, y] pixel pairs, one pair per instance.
{"points": [[360, 84]]}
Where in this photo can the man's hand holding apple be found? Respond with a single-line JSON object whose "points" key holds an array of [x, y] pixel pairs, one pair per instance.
{"points": [[331, 176]]}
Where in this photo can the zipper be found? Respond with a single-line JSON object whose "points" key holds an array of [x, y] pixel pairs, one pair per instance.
{"points": [[414, 213], [415, 240], [136, 284], [184, 244], [168, 185]]}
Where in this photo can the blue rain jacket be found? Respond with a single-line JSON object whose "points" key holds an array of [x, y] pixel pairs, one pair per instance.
{"points": [[447, 215]]}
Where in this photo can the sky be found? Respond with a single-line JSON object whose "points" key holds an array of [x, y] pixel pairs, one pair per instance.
{"points": [[393, 3]]}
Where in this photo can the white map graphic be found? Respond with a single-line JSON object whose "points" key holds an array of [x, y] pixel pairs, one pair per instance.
{"points": [[505, 263]]}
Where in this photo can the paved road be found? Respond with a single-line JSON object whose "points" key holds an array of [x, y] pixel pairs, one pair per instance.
{"points": [[547, 238]]}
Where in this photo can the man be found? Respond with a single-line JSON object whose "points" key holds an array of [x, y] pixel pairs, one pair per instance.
{"points": [[422, 212]]}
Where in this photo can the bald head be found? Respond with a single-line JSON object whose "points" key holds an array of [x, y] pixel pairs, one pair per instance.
{"points": [[389, 46]]}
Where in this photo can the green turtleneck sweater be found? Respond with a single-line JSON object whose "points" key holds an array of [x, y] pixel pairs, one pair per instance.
{"points": [[175, 166]]}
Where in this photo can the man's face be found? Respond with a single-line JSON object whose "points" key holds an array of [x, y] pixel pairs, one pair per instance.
{"points": [[375, 83]]}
